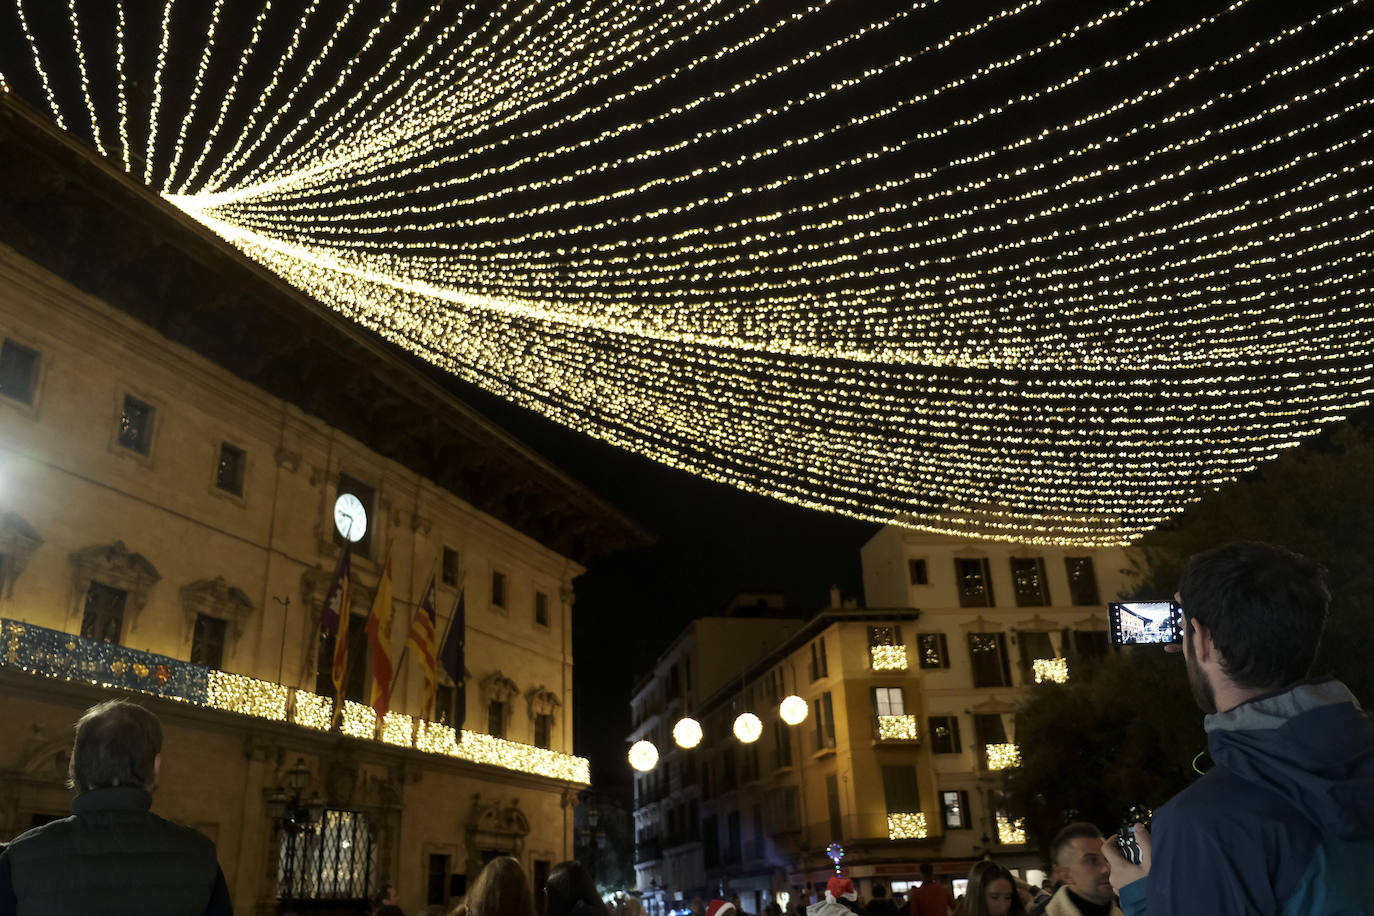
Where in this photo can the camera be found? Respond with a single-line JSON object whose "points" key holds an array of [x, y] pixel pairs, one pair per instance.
{"points": [[1125, 838], [1135, 623]]}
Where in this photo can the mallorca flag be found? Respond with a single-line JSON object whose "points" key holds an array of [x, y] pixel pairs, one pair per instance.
{"points": [[422, 638], [452, 658], [379, 637], [334, 617]]}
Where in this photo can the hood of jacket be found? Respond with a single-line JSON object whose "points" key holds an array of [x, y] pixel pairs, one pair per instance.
{"points": [[1311, 744]]}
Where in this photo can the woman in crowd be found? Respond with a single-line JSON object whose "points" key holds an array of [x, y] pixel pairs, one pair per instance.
{"points": [[570, 890], [501, 889], [991, 892]]}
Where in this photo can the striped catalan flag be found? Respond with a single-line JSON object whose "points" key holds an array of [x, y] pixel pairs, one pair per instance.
{"points": [[422, 639]]}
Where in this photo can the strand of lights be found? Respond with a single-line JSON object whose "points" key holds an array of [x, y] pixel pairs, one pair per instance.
{"points": [[195, 92], [1051, 669], [1003, 756], [897, 728], [1010, 832], [148, 157], [119, 85], [1063, 331], [38, 65], [906, 826], [888, 658]]}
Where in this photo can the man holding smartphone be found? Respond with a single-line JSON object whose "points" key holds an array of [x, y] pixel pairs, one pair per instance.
{"points": [[1283, 823]]}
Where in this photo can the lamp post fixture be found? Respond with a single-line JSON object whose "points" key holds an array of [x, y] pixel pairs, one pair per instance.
{"points": [[285, 807]]}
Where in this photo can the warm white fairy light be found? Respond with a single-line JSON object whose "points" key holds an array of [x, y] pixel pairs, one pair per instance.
{"points": [[687, 732], [1010, 832], [906, 826], [966, 304], [1003, 756], [643, 756], [897, 728], [793, 710], [888, 658], [748, 727], [1051, 669]]}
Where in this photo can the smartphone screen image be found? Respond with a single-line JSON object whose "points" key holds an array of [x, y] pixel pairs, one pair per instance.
{"points": [[1136, 623]]}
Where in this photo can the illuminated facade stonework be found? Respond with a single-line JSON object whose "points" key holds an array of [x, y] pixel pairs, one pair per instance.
{"points": [[175, 521]]}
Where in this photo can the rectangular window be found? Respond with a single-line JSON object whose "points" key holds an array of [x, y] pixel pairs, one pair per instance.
{"points": [[541, 611], [975, 582], [368, 497], [888, 701], [543, 731], [825, 721], [954, 813], [1082, 580], [823, 667], [229, 471], [496, 719], [1091, 645], [436, 881], [443, 704], [988, 652], [1028, 580], [885, 635], [944, 735], [103, 617], [990, 729], [832, 799], [916, 571], [498, 589], [782, 738], [207, 642], [1034, 645], [710, 842], [899, 789], [136, 425], [449, 567], [356, 678], [18, 371], [932, 649]]}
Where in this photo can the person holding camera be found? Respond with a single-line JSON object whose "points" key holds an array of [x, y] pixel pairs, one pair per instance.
{"points": [[1283, 823]]}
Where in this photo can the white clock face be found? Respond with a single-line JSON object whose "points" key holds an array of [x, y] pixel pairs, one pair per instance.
{"points": [[350, 517]]}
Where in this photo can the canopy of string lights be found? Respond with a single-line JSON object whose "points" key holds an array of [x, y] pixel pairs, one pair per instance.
{"points": [[1025, 270]]}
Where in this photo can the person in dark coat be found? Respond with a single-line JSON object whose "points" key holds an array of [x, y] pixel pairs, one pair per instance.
{"points": [[113, 855], [881, 904]]}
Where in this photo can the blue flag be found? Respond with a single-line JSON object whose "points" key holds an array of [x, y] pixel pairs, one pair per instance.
{"points": [[452, 658]]}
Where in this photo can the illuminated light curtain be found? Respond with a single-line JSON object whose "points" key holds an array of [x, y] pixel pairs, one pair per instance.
{"points": [[1017, 270]]}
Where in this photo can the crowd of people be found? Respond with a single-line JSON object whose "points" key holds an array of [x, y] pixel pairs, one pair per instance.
{"points": [[1282, 823]]}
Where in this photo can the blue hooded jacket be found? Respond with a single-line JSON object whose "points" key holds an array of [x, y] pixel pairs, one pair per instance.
{"points": [[1282, 825]]}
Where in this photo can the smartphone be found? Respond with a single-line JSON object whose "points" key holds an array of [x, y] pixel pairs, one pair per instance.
{"points": [[1136, 623]]}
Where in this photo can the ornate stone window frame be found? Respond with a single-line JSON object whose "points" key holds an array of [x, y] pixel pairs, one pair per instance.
{"points": [[496, 686], [216, 598], [117, 566]]}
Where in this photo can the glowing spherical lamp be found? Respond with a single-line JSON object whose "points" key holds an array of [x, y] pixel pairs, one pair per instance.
{"points": [[748, 727], [793, 710], [687, 732], [643, 756]]}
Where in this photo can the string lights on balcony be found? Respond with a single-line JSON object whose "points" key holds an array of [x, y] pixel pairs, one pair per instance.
{"points": [[1003, 756], [1051, 669], [1047, 272], [910, 826]]}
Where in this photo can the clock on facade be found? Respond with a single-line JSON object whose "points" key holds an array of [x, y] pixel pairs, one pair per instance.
{"points": [[350, 517]]}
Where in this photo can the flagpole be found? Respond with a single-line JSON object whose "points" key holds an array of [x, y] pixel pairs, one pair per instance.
{"points": [[405, 646]]}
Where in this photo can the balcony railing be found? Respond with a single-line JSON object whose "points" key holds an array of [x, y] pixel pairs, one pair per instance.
{"points": [[55, 654]]}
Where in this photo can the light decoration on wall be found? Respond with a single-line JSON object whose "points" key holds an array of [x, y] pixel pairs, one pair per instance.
{"points": [[906, 826], [1010, 832], [888, 658], [1053, 291], [1051, 669], [793, 710], [897, 728], [54, 654], [687, 732], [1003, 756], [748, 727], [643, 756]]}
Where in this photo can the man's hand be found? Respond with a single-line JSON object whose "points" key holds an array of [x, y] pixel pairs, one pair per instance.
{"points": [[1123, 872]]}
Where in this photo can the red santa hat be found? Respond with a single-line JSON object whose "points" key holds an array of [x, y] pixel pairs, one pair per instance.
{"points": [[838, 887], [721, 908]]}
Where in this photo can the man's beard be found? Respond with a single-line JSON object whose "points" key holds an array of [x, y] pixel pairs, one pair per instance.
{"points": [[1203, 693]]}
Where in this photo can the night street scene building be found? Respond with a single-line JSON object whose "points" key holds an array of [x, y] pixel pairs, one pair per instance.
{"points": [[176, 426], [908, 709]]}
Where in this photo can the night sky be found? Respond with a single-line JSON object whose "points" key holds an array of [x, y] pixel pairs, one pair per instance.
{"points": [[713, 541]]}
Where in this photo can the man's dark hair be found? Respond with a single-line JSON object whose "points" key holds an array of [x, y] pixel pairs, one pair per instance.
{"points": [[879, 890], [116, 744], [1266, 608], [927, 871], [1078, 830]]}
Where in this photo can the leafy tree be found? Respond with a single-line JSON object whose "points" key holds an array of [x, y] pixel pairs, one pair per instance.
{"points": [[1122, 733]]}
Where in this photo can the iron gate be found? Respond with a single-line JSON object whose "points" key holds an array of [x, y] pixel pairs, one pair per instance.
{"points": [[333, 859]]}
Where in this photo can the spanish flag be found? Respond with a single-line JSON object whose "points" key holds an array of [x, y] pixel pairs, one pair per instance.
{"points": [[379, 638]]}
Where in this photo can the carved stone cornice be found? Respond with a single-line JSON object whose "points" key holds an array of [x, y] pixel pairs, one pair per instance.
{"points": [[496, 686], [117, 566], [542, 701], [217, 598]]}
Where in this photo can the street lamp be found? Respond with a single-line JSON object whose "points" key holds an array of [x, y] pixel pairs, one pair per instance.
{"points": [[284, 805]]}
